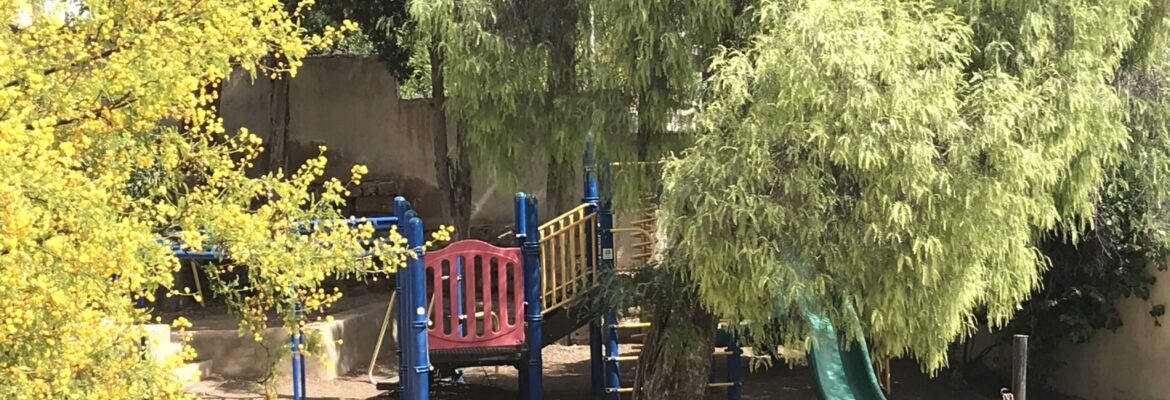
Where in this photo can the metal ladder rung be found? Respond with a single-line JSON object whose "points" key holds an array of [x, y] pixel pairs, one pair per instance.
{"points": [[633, 325], [721, 384]]}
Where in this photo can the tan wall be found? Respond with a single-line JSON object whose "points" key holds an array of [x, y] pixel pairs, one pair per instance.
{"points": [[351, 105], [1130, 364]]}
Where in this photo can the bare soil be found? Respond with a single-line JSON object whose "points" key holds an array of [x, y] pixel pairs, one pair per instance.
{"points": [[566, 377]]}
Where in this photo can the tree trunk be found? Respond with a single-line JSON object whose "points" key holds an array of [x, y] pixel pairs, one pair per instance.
{"points": [[453, 175], [675, 361], [560, 35], [278, 119]]}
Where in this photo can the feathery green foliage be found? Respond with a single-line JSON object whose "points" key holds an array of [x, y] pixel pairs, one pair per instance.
{"points": [[901, 156]]}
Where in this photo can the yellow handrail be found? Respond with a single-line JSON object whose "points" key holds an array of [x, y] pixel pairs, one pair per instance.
{"points": [[566, 268]]}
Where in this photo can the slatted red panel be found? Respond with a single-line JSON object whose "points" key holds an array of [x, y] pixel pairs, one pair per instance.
{"points": [[493, 287]]}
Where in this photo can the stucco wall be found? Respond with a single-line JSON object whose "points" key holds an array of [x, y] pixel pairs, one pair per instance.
{"points": [[1129, 364], [350, 104]]}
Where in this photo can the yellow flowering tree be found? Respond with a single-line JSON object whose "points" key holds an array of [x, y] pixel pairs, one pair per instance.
{"points": [[111, 151]]}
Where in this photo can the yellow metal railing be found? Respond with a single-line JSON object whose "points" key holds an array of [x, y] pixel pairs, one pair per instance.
{"points": [[567, 269]]}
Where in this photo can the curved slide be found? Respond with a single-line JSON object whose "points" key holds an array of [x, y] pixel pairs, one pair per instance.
{"points": [[841, 375]]}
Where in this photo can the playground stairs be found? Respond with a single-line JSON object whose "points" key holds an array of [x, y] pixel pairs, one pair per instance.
{"points": [[162, 344]]}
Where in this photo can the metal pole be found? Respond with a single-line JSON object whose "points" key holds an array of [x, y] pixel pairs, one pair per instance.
{"points": [[596, 357], [418, 379], [401, 206], [613, 380], [521, 214], [303, 374], [1020, 367], [532, 303]]}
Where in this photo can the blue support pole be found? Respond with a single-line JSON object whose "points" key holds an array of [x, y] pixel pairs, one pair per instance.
{"points": [[532, 380], [462, 317], [304, 385], [417, 381], [591, 194], [605, 236], [297, 357], [521, 227], [591, 197], [401, 206], [733, 368], [296, 382]]}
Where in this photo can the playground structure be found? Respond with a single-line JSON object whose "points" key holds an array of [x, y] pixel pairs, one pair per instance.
{"points": [[475, 304]]}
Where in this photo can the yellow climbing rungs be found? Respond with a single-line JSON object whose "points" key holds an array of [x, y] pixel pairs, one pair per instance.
{"points": [[626, 358], [721, 353], [633, 325]]}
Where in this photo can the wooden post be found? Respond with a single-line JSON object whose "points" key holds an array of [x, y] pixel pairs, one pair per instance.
{"points": [[1020, 367]]}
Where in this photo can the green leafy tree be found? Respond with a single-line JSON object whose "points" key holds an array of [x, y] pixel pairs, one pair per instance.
{"points": [[898, 160], [1112, 259], [890, 165]]}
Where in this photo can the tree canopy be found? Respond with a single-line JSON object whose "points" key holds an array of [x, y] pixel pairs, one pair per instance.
{"points": [[900, 158], [111, 151]]}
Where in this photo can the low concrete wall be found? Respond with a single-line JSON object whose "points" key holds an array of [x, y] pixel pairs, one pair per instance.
{"points": [[234, 356], [1129, 364]]}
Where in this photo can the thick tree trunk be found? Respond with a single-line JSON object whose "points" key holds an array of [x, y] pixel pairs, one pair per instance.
{"points": [[453, 174], [278, 119], [560, 35], [559, 187], [675, 361]]}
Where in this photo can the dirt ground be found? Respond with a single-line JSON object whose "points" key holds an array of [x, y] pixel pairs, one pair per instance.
{"points": [[566, 377]]}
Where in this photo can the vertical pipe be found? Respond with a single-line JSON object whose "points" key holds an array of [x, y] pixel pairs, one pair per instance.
{"points": [[733, 368], [401, 206], [304, 385], [521, 228], [532, 310], [591, 197], [418, 377], [459, 296], [1020, 367], [296, 382], [605, 237]]}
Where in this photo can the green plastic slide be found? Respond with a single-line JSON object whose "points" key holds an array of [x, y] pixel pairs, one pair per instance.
{"points": [[841, 375]]}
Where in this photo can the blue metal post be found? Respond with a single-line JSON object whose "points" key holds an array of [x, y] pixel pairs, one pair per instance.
{"points": [[298, 358], [733, 368], [401, 206], [458, 277], [304, 385], [521, 228], [532, 380], [463, 315], [605, 236], [417, 382], [591, 197]]}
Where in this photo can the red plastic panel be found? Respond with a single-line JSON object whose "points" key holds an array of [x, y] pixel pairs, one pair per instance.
{"points": [[492, 296]]}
